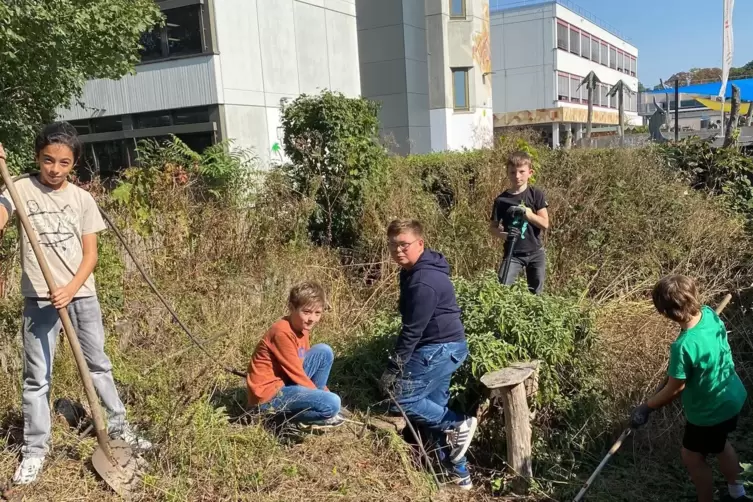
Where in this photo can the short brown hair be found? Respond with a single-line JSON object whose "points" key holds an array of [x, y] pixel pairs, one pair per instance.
{"points": [[519, 158], [307, 293], [676, 297], [399, 226]]}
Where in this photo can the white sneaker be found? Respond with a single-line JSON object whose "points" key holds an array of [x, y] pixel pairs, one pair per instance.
{"points": [[460, 438], [328, 423], [130, 436], [28, 470]]}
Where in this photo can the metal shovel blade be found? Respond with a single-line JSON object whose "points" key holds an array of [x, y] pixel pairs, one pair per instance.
{"points": [[122, 475]]}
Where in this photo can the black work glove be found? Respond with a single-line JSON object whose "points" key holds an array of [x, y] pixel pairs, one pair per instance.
{"points": [[513, 233], [640, 415], [515, 211], [387, 381]]}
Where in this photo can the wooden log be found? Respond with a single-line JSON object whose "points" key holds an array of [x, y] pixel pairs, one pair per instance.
{"points": [[729, 136], [513, 384]]}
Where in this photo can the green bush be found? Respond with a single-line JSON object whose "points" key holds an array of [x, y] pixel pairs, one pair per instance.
{"points": [[332, 142]]}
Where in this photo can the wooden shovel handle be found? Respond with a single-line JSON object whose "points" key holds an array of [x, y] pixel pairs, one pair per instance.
{"points": [[83, 368]]}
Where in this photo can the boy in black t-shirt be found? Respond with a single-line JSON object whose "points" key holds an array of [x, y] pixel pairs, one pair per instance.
{"points": [[522, 209]]}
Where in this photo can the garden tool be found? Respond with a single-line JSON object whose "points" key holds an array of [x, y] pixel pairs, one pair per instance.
{"points": [[616, 446], [516, 231], [113, 460]]}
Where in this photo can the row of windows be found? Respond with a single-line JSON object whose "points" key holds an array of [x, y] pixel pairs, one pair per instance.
{"points": [[580, 43], [568, 90], [144, 120]]}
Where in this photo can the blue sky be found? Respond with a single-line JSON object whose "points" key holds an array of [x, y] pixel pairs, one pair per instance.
{"points": [[673, 35]]}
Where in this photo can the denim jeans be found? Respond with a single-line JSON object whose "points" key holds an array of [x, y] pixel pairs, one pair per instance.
{"points": [[424, 388], [535, 266], [304, 404], [40, 333]]}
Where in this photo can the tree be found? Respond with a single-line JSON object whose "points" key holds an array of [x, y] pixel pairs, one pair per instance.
{"points": [[333, 144], [641, 87], [50, 48]]}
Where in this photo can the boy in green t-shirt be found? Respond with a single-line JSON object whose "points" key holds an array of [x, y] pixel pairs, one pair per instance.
{"points": [[702, 369]]}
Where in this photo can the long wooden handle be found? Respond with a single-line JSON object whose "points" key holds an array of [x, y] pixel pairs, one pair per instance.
{"points": [[83, 368], [612, 451]]}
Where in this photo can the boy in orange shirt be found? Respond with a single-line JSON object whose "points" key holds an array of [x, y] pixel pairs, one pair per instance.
{"points": [[287, 375]]}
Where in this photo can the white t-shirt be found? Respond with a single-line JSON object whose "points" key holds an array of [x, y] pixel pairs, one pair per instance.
{"points": [[61, 218]]}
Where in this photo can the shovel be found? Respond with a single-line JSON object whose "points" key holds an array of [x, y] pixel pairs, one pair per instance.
{"points": [[113, 460]]}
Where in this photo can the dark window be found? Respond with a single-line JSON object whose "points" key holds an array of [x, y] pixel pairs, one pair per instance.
{"points": [[82, 126], [184, 30], [107, 124], [460, 89], [620, 61], [181, 35], [574, 41], [151, 42], [562, 36], [604, 54], [563, 87], [153, 119], [197, 142], [105, 158], [613, 58], [190, 116]]}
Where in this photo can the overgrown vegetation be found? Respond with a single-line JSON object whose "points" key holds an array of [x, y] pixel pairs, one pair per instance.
{"points": [[226, 255]]}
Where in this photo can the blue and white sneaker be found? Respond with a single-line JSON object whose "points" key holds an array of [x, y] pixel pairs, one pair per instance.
{"points": [[460, 475], [460, 437]]}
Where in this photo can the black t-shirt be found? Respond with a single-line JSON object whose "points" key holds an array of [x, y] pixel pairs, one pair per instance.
{"points": [[532, 198]]}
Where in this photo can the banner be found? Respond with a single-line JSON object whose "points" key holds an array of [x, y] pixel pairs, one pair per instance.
{"points": [[728, 45]]}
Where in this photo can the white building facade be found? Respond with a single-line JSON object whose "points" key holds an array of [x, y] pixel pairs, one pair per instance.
{"points": [[218, 70], [540, 55]]}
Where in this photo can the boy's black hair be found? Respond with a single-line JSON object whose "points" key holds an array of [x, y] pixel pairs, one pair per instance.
{"points": [[61, 133]]}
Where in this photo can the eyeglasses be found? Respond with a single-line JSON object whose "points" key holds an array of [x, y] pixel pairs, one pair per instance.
{"points": [[400, 246]]}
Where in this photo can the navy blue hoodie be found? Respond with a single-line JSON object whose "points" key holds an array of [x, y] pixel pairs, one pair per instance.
{"points": [[428, 307]]}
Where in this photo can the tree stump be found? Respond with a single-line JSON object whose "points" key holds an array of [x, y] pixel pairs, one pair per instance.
{"points": [[513, 384]]}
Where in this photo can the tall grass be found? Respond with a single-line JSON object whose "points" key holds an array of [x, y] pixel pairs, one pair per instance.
{"points": [[619, 221]]}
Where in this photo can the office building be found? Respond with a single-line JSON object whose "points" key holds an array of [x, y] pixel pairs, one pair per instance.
{"points": [[541, 51]]}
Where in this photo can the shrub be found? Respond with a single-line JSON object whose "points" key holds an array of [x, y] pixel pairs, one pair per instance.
{"points": [[332, 142]]}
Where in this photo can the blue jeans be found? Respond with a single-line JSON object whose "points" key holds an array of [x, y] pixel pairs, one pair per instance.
{"points": [[304, 404], [424, 388]]}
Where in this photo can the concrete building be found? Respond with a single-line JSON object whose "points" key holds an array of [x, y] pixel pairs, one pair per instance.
{"points": [[218, 70], [428, 63], [693, 114], [541, 51]]}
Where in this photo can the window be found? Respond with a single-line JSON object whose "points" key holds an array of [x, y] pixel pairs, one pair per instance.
{"points": [[563, 87], [615, 100], [152, 119], [595, 50], [457, 8], [190, 116], [613, 58], [575, 93], [182, 35], [107, 124], [562, 36], [574, 41], [82, 126], [620, 61], [604, 97], [585, 45], [604, 54], [633, 66], [460, 89]]}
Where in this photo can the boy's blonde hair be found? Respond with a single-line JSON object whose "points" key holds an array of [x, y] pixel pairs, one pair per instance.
{"points": [[676, 297], [399, 226], [306, 294], [519, 158]]}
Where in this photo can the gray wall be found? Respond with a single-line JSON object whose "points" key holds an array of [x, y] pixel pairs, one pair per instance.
{"points": [[393, 63]]}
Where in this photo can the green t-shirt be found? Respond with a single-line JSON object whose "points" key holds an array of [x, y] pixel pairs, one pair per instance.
{"points": [[701, 356]]}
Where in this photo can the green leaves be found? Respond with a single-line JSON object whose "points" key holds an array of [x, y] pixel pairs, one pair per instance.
{"points": [[332, 142], [50, 48]]}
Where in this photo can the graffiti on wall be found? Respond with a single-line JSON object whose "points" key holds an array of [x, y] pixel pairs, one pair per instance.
{"points": [[482, 53]]}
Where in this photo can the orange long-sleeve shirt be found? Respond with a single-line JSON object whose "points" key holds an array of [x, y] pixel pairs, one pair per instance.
{"points": [[277, 361]]}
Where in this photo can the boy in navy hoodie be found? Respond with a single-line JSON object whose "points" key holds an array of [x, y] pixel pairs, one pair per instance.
{"points": [[430, 348]]}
